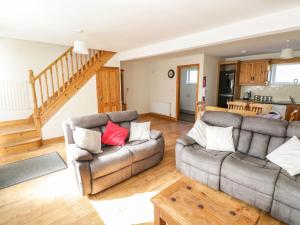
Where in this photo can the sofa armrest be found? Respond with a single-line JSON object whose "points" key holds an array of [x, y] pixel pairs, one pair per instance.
{"points": [[186, 140], [155, 134], [79, 154]]}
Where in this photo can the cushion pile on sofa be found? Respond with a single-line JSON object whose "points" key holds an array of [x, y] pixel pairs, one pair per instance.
{"points": [[246, 174]]}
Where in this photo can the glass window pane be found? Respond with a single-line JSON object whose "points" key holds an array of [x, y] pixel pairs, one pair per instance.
{"points": [[286, 73]]}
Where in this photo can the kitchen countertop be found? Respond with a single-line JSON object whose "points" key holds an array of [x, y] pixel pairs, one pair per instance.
{"points": [[272, 102]]}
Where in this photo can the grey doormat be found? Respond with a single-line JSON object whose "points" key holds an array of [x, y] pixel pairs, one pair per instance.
{"points": [[28, 169]]}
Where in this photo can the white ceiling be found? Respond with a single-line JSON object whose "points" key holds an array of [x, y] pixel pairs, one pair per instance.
{"points": [[260, 45], [120, 25]]}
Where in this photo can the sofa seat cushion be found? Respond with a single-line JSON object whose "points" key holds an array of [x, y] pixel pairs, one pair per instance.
{"points": [[254, 173], [287, 190], [143, 150], [113, 158], [205, 160]]}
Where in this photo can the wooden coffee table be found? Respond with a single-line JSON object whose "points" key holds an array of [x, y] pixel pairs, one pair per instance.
{"points": [[189, 202]]}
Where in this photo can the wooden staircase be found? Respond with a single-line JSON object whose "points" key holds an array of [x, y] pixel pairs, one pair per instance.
{"points": [[51, 89]]}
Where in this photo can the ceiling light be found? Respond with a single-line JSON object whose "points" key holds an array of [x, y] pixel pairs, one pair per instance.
{"points": [[80, 46], [287, 53], [243, 51]]}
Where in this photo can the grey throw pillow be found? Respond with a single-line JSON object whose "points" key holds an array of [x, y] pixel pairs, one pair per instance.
{"points": [[87, 139]]}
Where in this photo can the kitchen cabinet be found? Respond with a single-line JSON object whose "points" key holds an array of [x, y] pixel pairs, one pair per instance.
{"points": [[290, 109], [254, 72]]}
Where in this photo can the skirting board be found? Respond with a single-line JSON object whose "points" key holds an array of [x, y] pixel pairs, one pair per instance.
{"points": [[53, 140], [158, 116]]}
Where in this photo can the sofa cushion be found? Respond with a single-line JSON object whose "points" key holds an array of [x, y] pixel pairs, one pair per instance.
{"points": [[293, 129], [112, 158], [254, 173], [114, 134], [205, 160], [143, 150], [287, 190], [89, 121], [224, 119], [122, 117], [260, 136], [89, 140]]}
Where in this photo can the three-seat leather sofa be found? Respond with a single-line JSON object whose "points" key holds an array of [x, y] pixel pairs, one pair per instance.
{"points": [[96, 172], [246, 174]]}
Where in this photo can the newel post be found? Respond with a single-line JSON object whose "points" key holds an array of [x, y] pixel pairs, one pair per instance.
{"points": [[36, 111]]}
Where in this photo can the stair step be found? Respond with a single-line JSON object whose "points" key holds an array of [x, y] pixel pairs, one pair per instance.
{"points": [[15, 147], [16, 128]]}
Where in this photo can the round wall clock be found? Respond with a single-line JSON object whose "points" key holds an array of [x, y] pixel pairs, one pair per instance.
{"points": [[171, 73]]}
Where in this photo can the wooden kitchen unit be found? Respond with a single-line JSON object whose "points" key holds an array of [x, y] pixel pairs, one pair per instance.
{"points": [[290, 109], [254, 72]]}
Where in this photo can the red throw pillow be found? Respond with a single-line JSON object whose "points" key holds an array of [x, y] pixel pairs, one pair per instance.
{"points": [[114, 134]]}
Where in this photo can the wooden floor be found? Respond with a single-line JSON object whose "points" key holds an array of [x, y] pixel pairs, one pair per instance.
{"points": [[54, 199]]}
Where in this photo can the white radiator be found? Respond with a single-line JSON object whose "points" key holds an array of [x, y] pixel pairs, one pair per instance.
{"points": [[163, 108], [15, 95]]}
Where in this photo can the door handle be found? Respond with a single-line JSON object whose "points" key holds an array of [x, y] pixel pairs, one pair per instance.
{"points": [[100, 98]]}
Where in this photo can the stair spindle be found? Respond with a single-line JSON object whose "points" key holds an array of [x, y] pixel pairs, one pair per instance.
{"points": [[72, 64], [52, 82], [41, 92], [76, 55], [47, 88], [62, 73], [57, 77], [81, 62], [67, 68]]}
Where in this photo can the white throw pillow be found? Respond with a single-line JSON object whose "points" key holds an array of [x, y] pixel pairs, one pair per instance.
{"points": [[87, 139], [198, 133], [287, 156], [139, 131], [219, 138]]}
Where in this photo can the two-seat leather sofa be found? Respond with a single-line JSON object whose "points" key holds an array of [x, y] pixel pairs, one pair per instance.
{"points": [[246, 174], [96, 172]]}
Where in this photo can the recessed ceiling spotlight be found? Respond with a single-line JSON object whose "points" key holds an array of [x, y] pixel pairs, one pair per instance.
{"points": [[243, 51]]}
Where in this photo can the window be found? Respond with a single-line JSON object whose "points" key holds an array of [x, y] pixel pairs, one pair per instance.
{"points": [[285, 73], [192, 75]]}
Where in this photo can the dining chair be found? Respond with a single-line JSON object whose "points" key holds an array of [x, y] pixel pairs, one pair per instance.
{"points": [[243, 112], [260, 108], [237, 105]]}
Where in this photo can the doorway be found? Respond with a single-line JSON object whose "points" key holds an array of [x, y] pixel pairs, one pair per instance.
{"points": [[108, 89], [187, 92]]}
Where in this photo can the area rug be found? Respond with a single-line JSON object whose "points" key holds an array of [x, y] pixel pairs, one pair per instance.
{"points": [[28, 169]]}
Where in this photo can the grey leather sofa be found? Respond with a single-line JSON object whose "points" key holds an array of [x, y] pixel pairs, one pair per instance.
{"points": [[246, 174], [96, 172]]}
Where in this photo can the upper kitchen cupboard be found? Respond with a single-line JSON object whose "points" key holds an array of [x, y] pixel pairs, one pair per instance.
{"points": [[254, 72]]}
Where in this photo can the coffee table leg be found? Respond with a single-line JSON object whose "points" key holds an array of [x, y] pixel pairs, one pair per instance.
{"points": [[157, 219]]}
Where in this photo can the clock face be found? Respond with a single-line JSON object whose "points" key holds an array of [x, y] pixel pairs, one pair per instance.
{"points": [[171, 73]]}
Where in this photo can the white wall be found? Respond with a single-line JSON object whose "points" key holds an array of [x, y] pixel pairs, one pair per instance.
{"points": [[148, 78]]}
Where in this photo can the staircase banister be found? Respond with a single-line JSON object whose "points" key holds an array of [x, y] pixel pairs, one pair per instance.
{"points": [[53, 63]]}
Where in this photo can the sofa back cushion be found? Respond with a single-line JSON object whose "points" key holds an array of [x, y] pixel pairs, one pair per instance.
{"points": [[92, 122], [260, 136], [293, 129], [123, 118], [224, 119]]}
